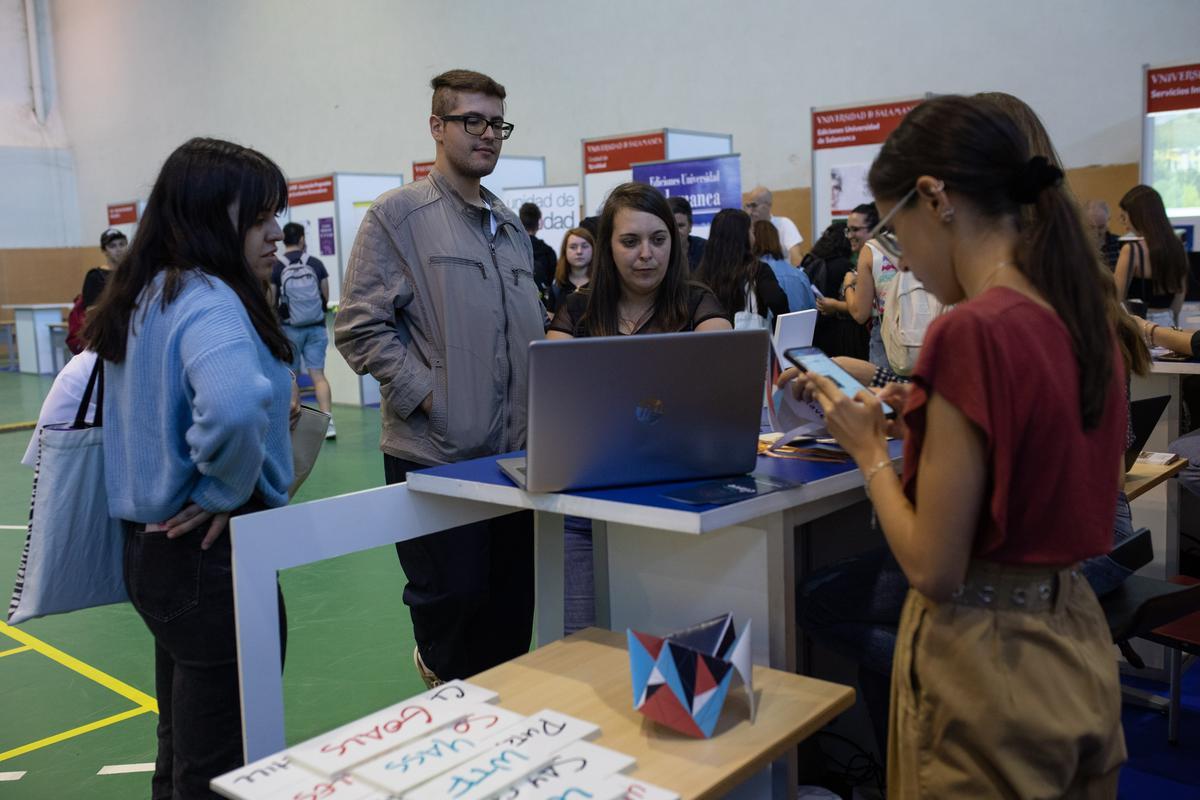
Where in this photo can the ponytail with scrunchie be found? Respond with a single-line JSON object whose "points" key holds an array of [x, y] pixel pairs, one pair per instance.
{"points": [[1036, 175]]}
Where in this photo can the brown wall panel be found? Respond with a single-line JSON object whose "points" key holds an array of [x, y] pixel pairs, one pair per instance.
{"points": [[52, 275]]}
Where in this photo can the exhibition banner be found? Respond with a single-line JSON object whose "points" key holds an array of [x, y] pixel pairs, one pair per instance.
{"points": [[709, 184], [622, 152], [845, 140], [1173, 88], [122, 214], [421, 169], [850, 127], [559, 206], [310, 190]]}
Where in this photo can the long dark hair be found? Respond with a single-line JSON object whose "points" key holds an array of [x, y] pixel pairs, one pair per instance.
{"points": [[728, 264], [1129, 335], [186, 229], [980, 154], [671, 300], [1148, 216]]}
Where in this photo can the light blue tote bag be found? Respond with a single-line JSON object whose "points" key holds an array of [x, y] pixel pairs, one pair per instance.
{"points": [[73, 555]]}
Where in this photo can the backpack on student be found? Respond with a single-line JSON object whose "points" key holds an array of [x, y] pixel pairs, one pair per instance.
{"points": [[75, 323], [300, 300], [907, 313]]}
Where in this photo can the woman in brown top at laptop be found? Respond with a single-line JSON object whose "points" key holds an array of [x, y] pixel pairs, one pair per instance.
{"points": [[640, 276], [639, 284]]}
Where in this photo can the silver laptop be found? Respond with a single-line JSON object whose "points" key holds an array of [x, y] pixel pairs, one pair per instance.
{"points": [[623, 410]]}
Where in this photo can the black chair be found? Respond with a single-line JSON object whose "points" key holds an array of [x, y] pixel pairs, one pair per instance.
{"points": [[1140, 606]]}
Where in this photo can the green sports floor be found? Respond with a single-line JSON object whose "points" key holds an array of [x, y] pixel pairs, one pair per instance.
{"points": [[77, 690]]}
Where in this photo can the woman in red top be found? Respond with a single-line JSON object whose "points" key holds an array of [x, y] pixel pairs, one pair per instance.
{"points": [[1003, 683]]}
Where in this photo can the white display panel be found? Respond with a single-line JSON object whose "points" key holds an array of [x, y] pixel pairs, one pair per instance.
{"points": [[845, 142], [693, 144], [1171, 142], [353, 194], [559, 206]]}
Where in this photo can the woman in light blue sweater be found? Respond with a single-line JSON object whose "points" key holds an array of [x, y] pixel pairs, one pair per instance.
{"points": [[196, 415]]}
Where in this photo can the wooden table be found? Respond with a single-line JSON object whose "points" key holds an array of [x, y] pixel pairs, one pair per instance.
{"points": [[586, 675], [1144, 477]]}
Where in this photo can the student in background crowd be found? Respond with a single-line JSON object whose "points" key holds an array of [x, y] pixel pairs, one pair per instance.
{"points": [[828, 264], [1096, 216], [113, 244], [793, 280], [639, 285], [196, 417], [758, 205], [866, 292], [739, 280], [440, 293], [682, 210], [574, 269], [543, 254], [1153, 267], [985, 578], [299, 291]]}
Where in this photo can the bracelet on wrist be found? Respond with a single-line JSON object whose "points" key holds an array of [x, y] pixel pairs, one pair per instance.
{"points": [[1150, 335], [870, 473]]}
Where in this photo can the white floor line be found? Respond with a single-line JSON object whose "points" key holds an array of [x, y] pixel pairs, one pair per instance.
{"points": [[11, 776], [14, 527], [121, 769]]}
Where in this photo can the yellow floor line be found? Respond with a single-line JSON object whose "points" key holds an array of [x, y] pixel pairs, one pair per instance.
{"points": [[144, 700], [82, 729], [15, 650], [10, 427]]}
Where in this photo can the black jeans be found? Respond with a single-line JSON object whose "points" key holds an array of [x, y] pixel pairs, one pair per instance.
{"points": [[185, 597], [470, 589]]}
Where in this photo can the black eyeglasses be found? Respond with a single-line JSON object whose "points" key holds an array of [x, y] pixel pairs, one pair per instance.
{"points": [[476, 125]]}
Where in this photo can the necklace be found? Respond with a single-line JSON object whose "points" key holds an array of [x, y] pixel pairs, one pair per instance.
{"points": [[991, 279], [634, 324]]}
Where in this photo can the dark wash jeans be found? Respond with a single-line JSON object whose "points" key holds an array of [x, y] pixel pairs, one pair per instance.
{"points": [[853, 607], [469, 590], [185, 597]]}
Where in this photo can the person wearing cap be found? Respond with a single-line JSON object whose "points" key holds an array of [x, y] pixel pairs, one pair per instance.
{"points": [[114, 243]]}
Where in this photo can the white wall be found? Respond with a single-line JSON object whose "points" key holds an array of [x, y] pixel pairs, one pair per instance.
{"points": [[323, 86], [38, 200]]}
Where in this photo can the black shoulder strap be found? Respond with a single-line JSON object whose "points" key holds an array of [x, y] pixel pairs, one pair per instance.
{"points": [[95, 382]]}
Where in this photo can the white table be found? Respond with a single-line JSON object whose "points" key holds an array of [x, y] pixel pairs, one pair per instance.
{"points": [[34, 343], [659, 565]]}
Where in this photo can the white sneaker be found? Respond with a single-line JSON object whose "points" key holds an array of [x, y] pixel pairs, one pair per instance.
{"points": [[331, 432]]}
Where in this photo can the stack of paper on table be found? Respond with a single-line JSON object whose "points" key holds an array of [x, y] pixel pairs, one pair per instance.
{"points": [[449, 742]]}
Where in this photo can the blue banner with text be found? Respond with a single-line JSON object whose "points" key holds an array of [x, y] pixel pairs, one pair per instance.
{"points": [[709, 184]]}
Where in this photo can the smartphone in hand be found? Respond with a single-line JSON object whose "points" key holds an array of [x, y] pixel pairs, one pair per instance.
{"points": [[813, 359]]}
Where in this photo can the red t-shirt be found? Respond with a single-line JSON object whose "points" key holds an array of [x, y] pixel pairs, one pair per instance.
{"points": [[1007, 363]]}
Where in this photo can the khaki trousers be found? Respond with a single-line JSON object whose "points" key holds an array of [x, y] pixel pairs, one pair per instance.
{"points": [[1003, 701]]}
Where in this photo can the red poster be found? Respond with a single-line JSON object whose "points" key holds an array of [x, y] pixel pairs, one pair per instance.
{"points": [[122, 213], [1173, 88], [622, 152], [851, 127], [421, 169], [310, 190]]}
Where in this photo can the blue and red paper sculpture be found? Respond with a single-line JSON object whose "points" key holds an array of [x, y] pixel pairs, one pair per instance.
{"points": [[681, 680]]}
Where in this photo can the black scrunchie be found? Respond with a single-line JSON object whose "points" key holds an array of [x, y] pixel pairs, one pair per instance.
{"points": [[1029, 181]]}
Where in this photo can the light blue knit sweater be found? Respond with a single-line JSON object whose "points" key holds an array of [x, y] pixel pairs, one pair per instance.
{"points": [[197, 411]]}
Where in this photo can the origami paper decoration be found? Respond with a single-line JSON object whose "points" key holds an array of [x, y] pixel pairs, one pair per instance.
{"points": [[681, 680]]}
